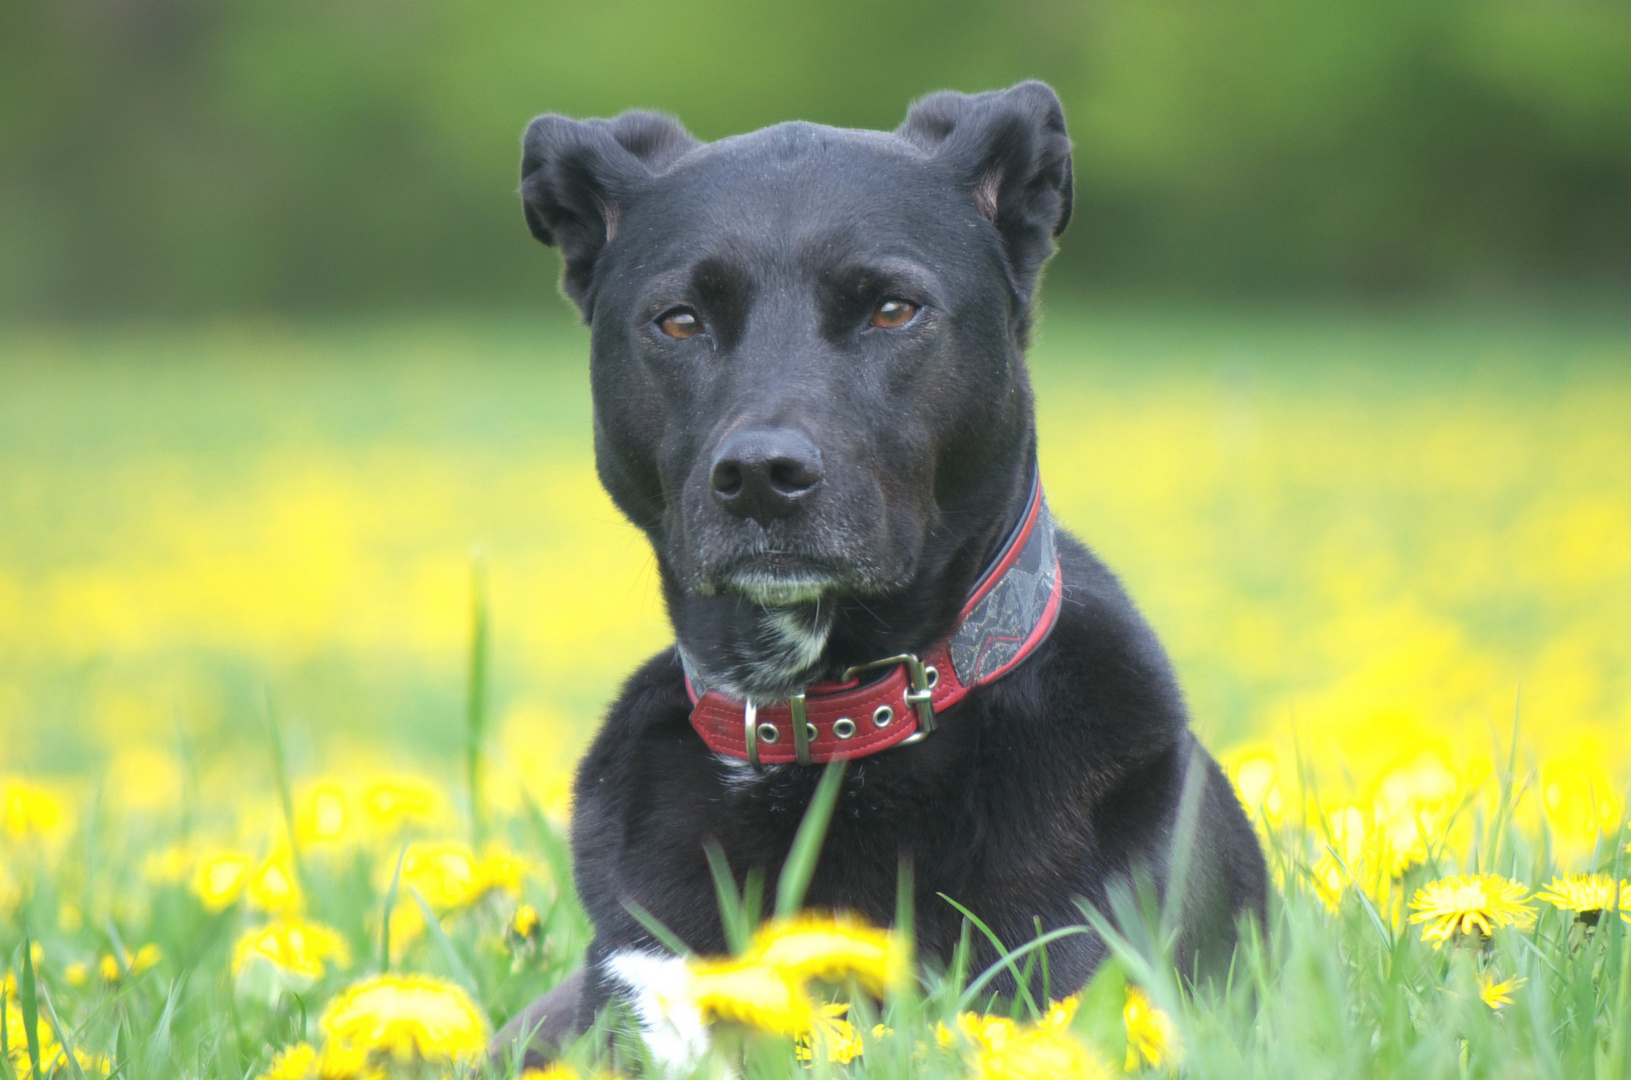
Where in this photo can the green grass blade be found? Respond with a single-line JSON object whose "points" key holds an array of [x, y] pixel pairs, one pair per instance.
{"points": [[806, 850], [737, 929], [390, 905], [444, 944], [475, 711], [280, 773], [654, 926], [64, 1038], [975, 988], [1183, 841], [1002, 952], [28, 1001]]}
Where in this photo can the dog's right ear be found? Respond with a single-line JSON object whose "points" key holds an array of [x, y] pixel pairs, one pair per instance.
{"points": [[575, 175], [1012, 154]]}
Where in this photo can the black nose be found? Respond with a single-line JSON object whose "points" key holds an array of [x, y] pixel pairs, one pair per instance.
{"points": [[762, 473]]}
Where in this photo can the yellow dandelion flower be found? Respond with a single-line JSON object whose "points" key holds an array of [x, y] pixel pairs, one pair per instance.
{"points": [[220, 877], [993, 1032], [1497, 995], [392, 802], [49, 1050], [77, 973], [832, 1030], [1469, 903], [1043, 1051], [744, 991], [1588, 896], [1152, 1037], [501, 871], [525, 923], [297, 1062], [406, 1018], [321, 817], [553, 1072], [337, 1062], [833, 949], [298, 946], [1060, 1013], [145, 958], [110, 968], [450, 875], [28, 810], [89, 1064], [272, 887]]}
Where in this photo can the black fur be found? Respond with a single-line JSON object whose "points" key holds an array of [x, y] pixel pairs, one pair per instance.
{"points": [[1046, 786]]}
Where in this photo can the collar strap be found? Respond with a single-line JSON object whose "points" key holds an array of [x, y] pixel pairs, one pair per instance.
{"points": [[1008, 614]]}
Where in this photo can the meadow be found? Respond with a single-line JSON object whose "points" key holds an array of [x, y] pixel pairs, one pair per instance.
{"points": [[239, 563]]}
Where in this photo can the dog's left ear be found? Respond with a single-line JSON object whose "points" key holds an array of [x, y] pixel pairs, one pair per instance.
{"points": [[575, 176], [1011, 150]]}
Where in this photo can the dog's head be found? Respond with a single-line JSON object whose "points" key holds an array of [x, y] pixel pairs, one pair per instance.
{"points": [[807, 367]]}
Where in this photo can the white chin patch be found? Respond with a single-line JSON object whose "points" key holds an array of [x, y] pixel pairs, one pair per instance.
{"points": [[773, 591], [671, 1026]]}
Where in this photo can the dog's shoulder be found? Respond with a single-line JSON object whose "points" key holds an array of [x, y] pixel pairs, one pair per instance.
{"points": [[1104, 673]]}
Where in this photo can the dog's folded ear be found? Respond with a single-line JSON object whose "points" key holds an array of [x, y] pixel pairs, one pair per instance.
{"points": [[575, 175], [1011, 149]]}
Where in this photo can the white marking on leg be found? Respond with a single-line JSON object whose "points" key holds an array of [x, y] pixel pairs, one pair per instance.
{"points": [[657, 990]]}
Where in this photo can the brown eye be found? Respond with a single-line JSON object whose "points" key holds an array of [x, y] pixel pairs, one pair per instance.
{"points": [[680, 323], [893, 313]]}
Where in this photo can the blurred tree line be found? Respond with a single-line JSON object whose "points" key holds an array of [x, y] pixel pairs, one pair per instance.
{"points": [[184, 156]]}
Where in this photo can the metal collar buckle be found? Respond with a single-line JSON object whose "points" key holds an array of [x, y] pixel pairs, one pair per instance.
{"points": [[920, 677], [753, 731]]}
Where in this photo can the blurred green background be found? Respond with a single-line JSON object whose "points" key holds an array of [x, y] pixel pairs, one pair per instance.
{"points": [[1334, 365], [183, 157]]}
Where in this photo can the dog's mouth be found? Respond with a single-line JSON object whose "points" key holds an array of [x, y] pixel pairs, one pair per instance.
{"points": [[782, 579], [773, 589]]}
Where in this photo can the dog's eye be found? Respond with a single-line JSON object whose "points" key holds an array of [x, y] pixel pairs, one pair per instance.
{"points": [[893, 313], [680, 323]]}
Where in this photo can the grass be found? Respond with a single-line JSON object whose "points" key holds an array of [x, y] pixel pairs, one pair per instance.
{"points": [[236, 623]]}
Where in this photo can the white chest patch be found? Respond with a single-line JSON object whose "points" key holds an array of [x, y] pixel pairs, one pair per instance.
{"points": [[672, 1027]]}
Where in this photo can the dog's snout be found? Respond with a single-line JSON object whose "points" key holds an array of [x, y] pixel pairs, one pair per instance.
{"points": [[763, 473]]}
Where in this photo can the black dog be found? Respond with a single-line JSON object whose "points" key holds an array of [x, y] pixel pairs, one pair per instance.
{"points": [[810, 394]]}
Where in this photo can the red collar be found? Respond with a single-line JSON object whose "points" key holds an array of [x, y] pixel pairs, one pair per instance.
{"points": [[1009, 613]]}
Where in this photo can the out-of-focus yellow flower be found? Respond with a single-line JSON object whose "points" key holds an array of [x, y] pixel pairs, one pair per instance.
{"points": [[393, 802], [1001, 1049], [296, 1062], [833, 949], [746, 992], [1588, 896], [77, 973], [553, 1072], [321, 816], [170, 865], [1257, 783], [110, 968], [1152, 1037], [298, 946], [52, 1063], [220, 877], [28, 810], [272, 887], [1497, 995], [1469, 903], [49, 1048], [834, 1032], [406, 1019], [450, 875], [525, 923]]}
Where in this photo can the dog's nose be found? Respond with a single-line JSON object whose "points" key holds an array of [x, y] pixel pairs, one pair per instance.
{"points": [[762, 473]]}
